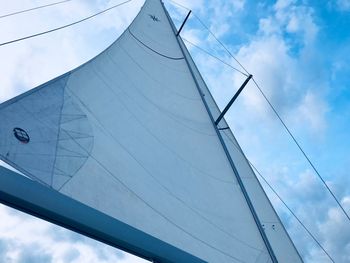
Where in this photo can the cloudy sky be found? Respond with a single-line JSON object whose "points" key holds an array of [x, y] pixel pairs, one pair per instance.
{"points": [[298, 51]]}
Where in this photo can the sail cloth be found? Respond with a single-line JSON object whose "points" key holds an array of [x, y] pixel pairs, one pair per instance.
{"points": [[128, 134]]}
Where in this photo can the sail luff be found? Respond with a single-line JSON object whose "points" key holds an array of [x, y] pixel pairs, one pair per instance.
{"points": [[234, 169]]}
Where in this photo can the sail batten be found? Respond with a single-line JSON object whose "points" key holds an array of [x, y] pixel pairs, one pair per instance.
{"points": [[129, 135]]}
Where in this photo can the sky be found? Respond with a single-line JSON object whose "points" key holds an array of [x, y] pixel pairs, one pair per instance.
{"points": [[298, 51]]}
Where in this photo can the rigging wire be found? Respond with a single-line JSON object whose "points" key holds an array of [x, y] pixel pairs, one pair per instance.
{"points": [[281, 199], [222, 44], [291, 211], [301, 149], [276, 113], [64, 26], [231, 55], [34, 8], [178, 4], [284, 125], [217, 58], [214, 36]]}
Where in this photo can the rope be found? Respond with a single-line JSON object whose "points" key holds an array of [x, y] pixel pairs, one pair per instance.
{"points": [[34, 8], [61, 27]]}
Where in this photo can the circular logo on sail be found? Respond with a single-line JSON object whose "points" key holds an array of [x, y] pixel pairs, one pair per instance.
{"points": [[21, 135]]}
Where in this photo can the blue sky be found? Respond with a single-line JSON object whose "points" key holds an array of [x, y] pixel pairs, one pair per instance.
{"points": [[298, 51]]}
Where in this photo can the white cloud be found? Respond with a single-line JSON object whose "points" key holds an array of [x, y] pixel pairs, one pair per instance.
{"points": [[221, 14], [26, 239], [335, 232], [311, 112], [319, 213], [282, 4], [268, 60], [289, 17], [271, 58], [268, 26], [343, 5], [26, 64], [31, 62]]}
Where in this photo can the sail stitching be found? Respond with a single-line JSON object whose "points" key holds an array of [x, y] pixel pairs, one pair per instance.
{"points": [[153, 50], [48, 126], [59, 129], [184, 160], [151, 77], [150, 174], [169, 190], [154, 209], [44, 141], [161, 110]]}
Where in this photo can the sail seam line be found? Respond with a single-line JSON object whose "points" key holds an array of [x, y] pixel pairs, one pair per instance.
{"points": [[59, 130], [146, 203], [165, 112], [160, 85], [172, 194], [160, 54]]}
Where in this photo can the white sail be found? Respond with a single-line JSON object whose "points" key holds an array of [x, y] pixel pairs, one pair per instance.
{"points": [[128, 134]]}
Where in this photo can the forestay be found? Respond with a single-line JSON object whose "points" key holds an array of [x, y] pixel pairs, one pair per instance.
{"points": [[128, 134]]}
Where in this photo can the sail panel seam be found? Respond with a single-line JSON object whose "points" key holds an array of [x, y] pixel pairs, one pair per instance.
{"points": [[146, 203], [59, 129], [153, 50], [172, 194]]}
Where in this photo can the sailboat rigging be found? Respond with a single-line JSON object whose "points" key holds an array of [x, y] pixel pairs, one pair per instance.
{"points": [[84, 140]]}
